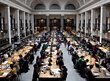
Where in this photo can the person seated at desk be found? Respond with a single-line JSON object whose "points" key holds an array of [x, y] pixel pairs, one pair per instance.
{"points": [[60, 62], [83, 65], [74, 58], [43, 54], [21, 62], [108, 53], [31, 59], [83, 42], [16, 65], [64, 73], [89, 45], [94, 49], [78, 63], [58, 46], [35, 72], [108, 64], [25, 65], [59, 56], [40, 62], [44, 46], [88, 73], [13, 72], [104, 63], [59, 53], [6, 56], [58, 39]]}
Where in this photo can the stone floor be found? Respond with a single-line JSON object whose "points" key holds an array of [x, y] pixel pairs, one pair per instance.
{"points": [[72, 74]]}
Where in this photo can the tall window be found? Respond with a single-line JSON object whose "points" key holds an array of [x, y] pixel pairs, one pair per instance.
{"points": [[70, 7], [40, 7], [55, 7]]}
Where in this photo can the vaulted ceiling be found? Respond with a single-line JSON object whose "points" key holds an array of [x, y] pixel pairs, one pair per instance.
{"points": [[76, 3]]}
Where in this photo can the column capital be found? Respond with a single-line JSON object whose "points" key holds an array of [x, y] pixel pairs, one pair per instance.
{"points": [[62, 14], [7, 6], [24, 12], [102, 6], [17, 9], [47, 14], [77, 14], [85, 12]]}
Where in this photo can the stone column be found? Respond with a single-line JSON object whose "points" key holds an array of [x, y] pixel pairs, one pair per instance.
{"points": [[32, 22], [48, 27], [62, 23], [92, 21], [81, 22], [28, 22], [86, 19], [77, 22], [24, 17], [101, 22], [17, 23], [9, 23]]}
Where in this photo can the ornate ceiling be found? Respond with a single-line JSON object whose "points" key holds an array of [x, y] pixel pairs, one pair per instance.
{"points": [[47, 3]]}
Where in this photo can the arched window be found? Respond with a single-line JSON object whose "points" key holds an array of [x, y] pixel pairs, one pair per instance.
{"points": [[70, 7], [55, 7], [40, 7]]}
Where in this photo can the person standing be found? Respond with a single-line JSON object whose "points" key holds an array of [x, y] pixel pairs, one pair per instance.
{"points": [[68, 43]]}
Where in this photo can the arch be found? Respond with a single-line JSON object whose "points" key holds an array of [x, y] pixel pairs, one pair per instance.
{"points": [[40, 6], [70, 7], [55, 7], [72, 4]]}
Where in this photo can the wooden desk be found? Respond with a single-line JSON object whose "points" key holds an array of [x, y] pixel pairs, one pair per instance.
{"points": [[86, 56], [93, 43], [103, 49], [102, 74], [73, 42], [53, 71], [14, 57], [5, 73], [73, 32], [66, 34]]}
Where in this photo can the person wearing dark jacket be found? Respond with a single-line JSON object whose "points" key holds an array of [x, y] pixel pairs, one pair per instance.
{"points": [[21, 62], [31, 58], [64, 73], [35, 72], [25, 66], [88, 73]]}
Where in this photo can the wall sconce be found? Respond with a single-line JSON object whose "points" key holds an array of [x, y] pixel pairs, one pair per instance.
{"points": [[13, 29], [68, 20], [42, 20], [55, 20], [108, 30], [1, 31]]}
